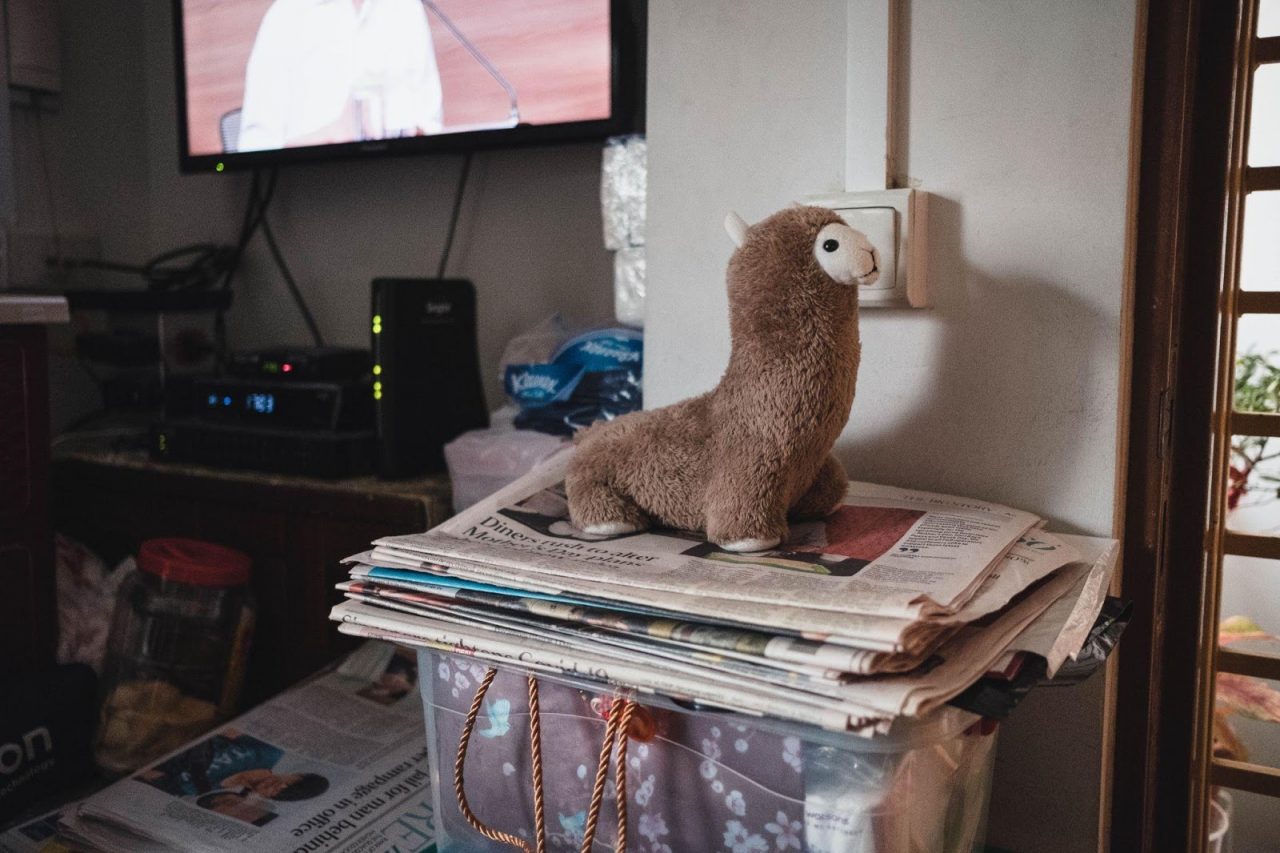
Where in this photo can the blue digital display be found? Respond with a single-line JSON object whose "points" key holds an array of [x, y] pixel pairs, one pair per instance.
{"points": [[260, 403]]}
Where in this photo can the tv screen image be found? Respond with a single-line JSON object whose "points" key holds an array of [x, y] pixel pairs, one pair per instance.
{"points": [[263, 80]]}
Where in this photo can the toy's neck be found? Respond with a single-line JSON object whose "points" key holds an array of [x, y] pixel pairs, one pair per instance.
{"points": [[806, 339]]}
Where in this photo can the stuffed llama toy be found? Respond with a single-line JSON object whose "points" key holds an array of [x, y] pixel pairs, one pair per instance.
{"points": [[737, 461]]}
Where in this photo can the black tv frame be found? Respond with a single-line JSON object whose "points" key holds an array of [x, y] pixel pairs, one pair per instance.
{"points": [[627, 19]]}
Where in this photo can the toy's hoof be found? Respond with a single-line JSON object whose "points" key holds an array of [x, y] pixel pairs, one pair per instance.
{"points": [[747, 545], [611, 528]]}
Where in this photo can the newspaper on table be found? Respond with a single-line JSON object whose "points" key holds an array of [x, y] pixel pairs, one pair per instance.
{"points": [[338, 763], [884, 559], [863, 705]]}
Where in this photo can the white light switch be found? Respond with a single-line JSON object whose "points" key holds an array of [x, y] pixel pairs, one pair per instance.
{"points": [[894, 222]]}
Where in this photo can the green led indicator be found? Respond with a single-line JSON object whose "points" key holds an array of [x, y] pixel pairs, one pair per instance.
{"points": [[377, 387], [377, 395], [220, 167], [377, 370]]}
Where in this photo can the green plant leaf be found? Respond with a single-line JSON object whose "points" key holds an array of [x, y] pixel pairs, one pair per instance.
{"points": [[1236, 628]]}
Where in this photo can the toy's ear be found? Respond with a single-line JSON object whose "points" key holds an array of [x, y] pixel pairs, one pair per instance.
{"points": [[737, 228]]}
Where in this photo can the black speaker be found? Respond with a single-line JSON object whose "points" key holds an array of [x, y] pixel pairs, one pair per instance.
{"points": [[426, 383]]}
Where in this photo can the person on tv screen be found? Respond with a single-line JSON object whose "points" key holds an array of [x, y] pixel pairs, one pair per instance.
{"points": [[325, 71]]}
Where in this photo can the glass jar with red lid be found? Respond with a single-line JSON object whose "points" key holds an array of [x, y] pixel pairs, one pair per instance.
{"points": [[177, 650]]}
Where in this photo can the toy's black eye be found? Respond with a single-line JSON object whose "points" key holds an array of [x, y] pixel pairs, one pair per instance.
{"points": [[830, 245]]}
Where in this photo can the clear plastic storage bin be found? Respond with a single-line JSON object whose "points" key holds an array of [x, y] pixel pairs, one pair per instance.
{"points": [[699, 780]]}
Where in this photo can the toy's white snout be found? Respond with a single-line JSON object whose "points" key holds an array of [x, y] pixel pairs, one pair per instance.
{"points": [[847, 255]]}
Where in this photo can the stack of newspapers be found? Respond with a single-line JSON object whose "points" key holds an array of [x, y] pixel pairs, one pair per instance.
{"points": [[889, 607]]}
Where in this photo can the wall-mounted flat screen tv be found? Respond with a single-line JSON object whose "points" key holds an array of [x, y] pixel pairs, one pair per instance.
{"points": [[261, 82]]}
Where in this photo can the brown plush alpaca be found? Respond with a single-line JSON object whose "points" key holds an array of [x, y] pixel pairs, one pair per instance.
{"points": [[737, 461]]}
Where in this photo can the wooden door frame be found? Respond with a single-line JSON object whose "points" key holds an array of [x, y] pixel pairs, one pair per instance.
{"points": [[1158, 754]]}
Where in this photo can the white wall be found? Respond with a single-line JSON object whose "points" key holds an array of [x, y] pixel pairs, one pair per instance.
{"points": [[1016, 116]]}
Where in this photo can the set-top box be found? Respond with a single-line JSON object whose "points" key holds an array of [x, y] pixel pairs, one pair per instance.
{"points": [[302, 364], [282, 405]]}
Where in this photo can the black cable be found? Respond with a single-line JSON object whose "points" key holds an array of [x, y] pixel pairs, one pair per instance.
{"points": [[255, 220], [243, 239], [188, 267], [193, 266], [259, 223], [37, 105], [453, 218], [253, 211], [293, 285]]}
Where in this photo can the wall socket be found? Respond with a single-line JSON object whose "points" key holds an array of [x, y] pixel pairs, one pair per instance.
{"points": [[25, 254], [895, 223]]}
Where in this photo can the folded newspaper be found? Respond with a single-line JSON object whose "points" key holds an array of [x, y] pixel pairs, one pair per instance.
{"points": [[891, 605], [337, 763]]}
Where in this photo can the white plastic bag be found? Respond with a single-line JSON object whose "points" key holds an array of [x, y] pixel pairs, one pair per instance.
{"points": [[484, 460]]}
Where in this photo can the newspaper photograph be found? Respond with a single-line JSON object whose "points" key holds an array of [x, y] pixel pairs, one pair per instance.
{"points": [[335, 764]]}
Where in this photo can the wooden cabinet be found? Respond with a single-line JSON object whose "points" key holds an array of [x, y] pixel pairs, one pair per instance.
{"points": [[296, 530], [28, 625]]}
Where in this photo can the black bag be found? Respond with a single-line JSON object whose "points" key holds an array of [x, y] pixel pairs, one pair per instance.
{"points": [[46, 735]]}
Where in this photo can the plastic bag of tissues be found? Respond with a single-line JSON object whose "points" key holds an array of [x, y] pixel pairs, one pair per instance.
{"points": [[563, 381]]}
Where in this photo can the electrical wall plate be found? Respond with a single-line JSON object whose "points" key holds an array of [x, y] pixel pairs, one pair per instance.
{"points": [[894, 221]]}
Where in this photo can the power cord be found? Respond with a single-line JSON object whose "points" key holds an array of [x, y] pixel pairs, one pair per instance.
{"points": [[255, 219], [204, 265], [37, 107], [298, 298], [453, 217], [253, 211], [191, 267], [254, 208]]}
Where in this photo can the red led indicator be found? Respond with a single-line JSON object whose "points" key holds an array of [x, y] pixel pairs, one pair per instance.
{"points": [[286, 367]]}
